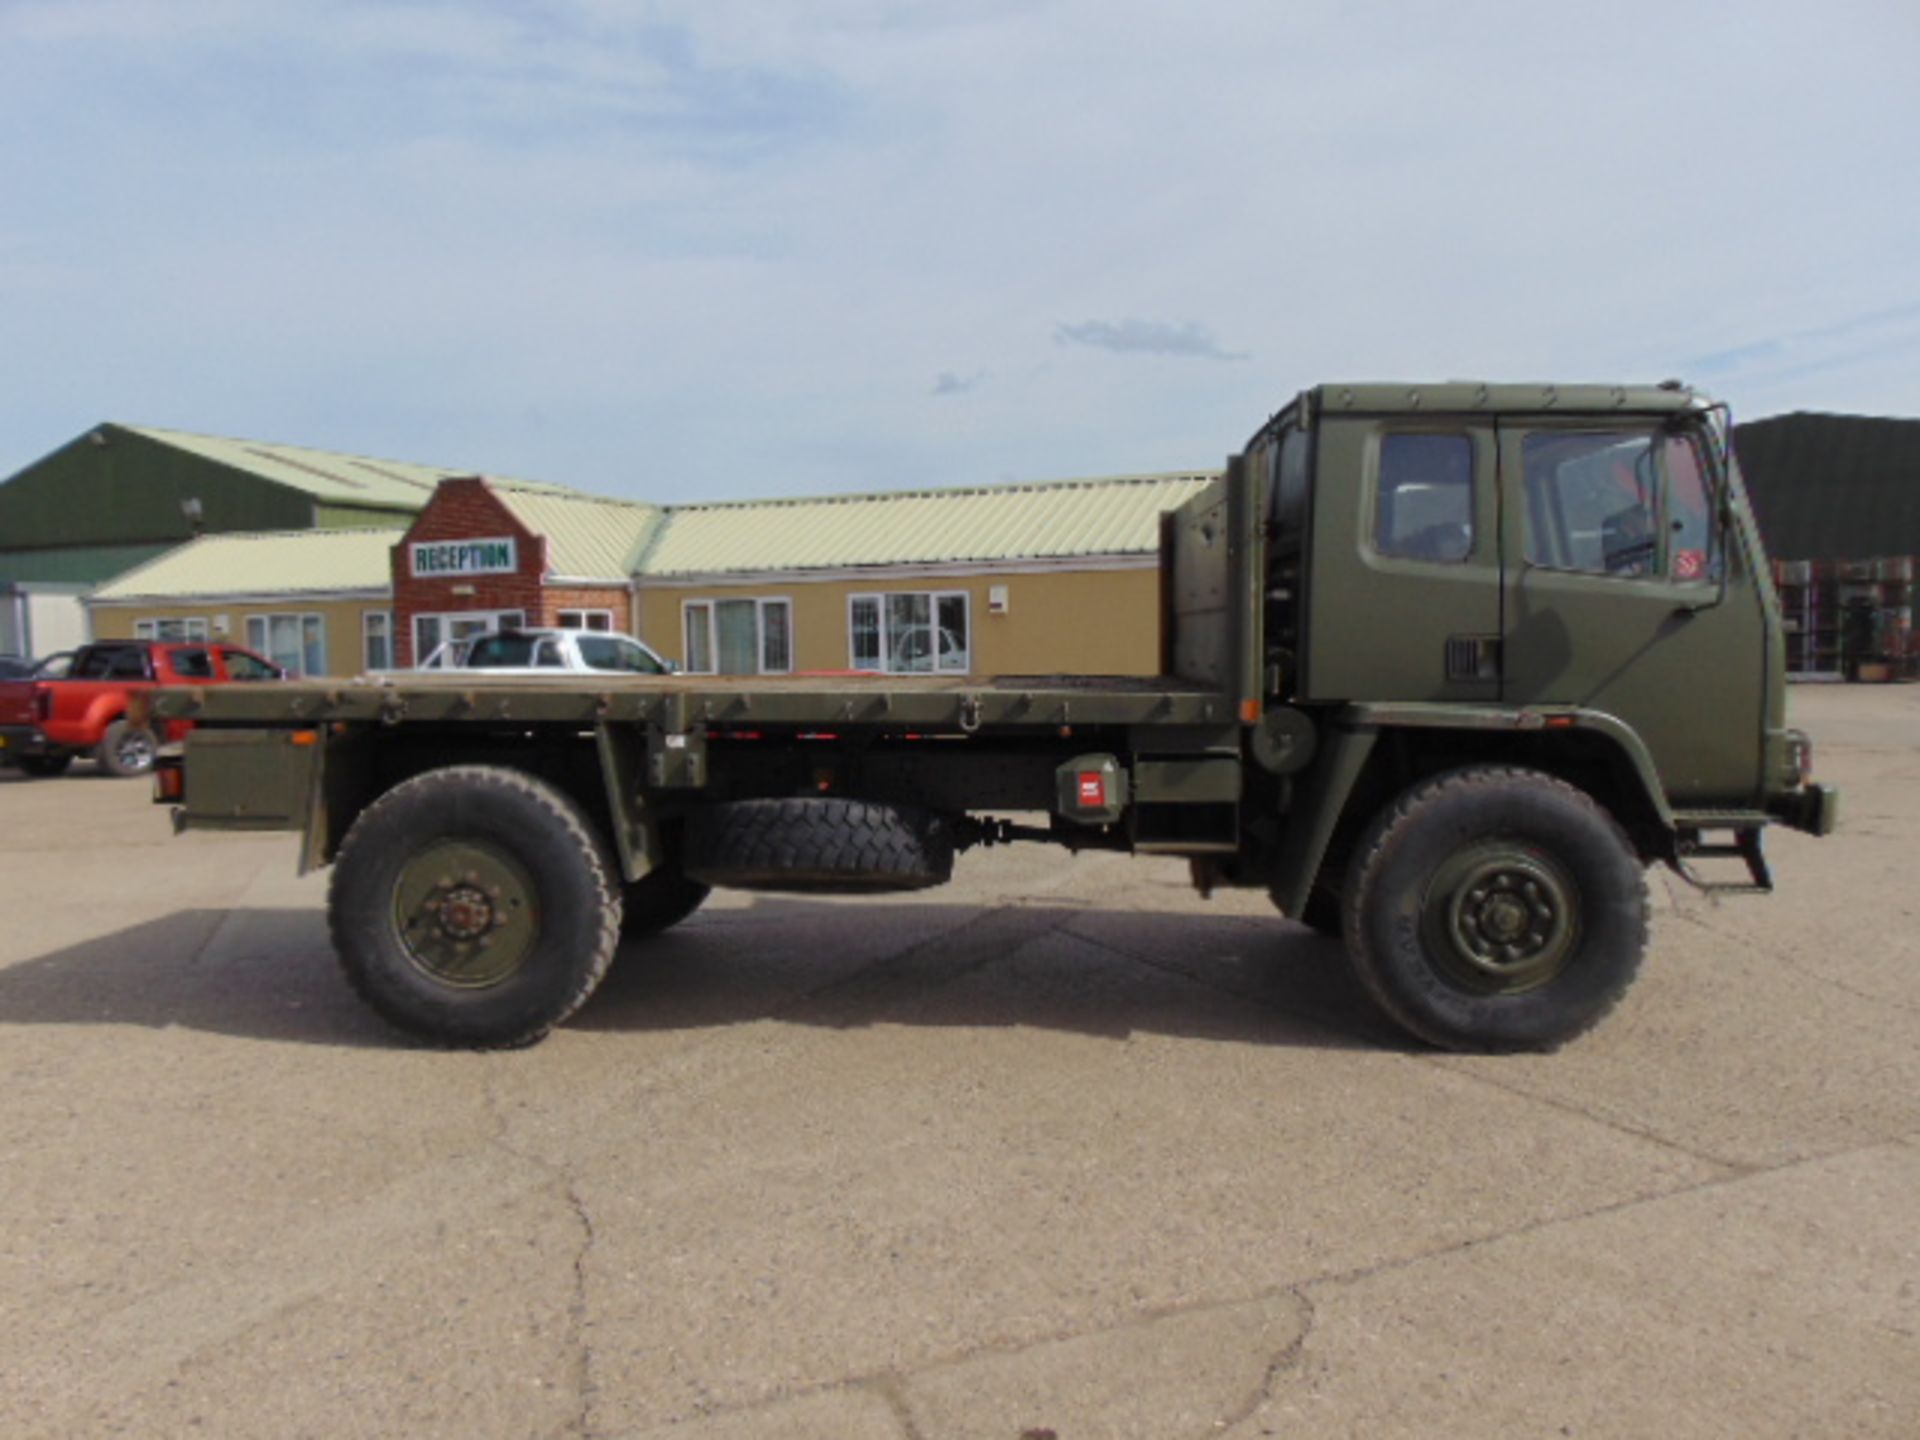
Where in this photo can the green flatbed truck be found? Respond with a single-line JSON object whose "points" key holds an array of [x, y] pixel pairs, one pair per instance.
{"points": [[1446, 668]]}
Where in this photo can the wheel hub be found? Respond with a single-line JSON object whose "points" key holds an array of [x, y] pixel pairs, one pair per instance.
{"points": [[1501, 920], [464, 913]]}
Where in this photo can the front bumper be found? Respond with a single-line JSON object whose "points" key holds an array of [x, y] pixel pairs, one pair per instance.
{"points": [[1814, 809]]}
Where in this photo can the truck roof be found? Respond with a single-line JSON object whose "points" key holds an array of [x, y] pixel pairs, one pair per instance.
{"points": [[1470, 396]]}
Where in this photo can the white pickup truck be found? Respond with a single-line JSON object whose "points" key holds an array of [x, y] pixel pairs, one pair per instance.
{"points": [[548, 651]]}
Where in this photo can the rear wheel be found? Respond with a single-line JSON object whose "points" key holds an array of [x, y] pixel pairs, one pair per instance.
{"points": [[1496, 909], [474, 905], [126, 748], [44, 765]]}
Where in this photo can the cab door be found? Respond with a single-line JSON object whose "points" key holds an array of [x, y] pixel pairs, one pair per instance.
{"points": [[1621, 597], [1405, 598]]}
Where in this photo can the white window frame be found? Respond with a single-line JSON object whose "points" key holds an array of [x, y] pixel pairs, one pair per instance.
{"points": [[583, 620], [879, 598], [760, 604], [367, 617], [263, 646], [491, 619], [195, 630]]}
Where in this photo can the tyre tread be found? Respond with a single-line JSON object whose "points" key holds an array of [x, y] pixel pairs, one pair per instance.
{"points": [[573, 822], [1380, 839]]}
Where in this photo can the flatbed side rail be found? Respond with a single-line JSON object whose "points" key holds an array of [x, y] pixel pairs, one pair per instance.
{"points": [[678, 707]]}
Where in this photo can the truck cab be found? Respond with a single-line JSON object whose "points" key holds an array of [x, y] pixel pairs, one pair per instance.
{"points": [[1454, 556]]}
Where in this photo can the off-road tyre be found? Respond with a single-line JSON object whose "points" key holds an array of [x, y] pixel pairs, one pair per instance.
{"points": [[819, 845], [43, 767], [1495, 908], [526, 867], [127, 749], [659, 900]]}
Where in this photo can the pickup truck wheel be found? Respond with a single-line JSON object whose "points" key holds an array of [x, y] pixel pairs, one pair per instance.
{"points": [[126, 748], [44, 766], [659, 900], [820, 845], [1496, 909], [474, 905]]}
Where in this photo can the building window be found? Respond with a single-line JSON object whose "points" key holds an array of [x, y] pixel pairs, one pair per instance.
{"points": [[376, 639], [909, 632], [430, 632], [1424, 506], [738, 637], [296, 643], [191, 628], [586, 619]]}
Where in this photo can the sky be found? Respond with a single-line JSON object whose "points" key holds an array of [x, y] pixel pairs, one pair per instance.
{"points": [[682, 251]]}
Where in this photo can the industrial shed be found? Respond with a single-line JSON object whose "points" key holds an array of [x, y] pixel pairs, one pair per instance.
{"points": [[120, 495], [1838, 502], [1833, 487]]}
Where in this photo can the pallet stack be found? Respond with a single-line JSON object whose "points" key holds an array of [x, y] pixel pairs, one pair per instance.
{"points": [[1849, 619]]}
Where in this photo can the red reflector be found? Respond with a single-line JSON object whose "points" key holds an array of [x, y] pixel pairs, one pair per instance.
{"points": [[169, 782], [1093, 789]]}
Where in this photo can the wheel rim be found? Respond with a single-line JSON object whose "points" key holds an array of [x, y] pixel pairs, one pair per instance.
{"points": [[1501, 919], [135, 750], [465, 913]]}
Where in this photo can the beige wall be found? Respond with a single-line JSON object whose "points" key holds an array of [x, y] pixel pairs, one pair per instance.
{"points": [[342, 619], [1086, 622]]}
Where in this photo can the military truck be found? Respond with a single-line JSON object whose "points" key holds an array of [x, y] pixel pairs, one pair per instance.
{"points": [[1446, 669]]}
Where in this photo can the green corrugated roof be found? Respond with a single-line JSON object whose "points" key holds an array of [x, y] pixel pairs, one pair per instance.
{"points": [[1051, 520], [613, 539], [74, 564], [587, 537], [327, 475], [290, 562]]}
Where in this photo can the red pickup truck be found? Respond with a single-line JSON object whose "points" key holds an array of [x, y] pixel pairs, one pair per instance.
{"points": [[44, 724]]}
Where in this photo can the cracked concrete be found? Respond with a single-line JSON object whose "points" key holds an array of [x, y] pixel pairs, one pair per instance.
{"points": [[1059, 1149]]}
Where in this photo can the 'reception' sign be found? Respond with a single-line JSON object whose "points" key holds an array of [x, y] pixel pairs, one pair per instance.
{"points": [[434, 559]]}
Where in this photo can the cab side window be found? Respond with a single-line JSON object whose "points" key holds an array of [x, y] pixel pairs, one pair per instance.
{"points": [[1592, 501], [1423, 506]]}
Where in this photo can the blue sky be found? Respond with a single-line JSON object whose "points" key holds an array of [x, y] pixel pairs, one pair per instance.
{"points": [[726, 249]]}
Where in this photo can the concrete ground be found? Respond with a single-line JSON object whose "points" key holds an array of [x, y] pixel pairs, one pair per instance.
{"points": [[1061, 1150]]}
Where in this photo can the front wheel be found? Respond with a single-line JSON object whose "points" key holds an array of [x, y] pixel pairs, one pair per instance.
{"points": [[474, 905], [1496, 909]]}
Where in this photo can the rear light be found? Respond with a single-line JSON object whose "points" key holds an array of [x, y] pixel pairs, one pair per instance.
{"points": [[42, 705]]}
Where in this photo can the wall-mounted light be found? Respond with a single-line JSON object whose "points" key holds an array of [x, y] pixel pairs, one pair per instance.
{"points": [[194, 512]]}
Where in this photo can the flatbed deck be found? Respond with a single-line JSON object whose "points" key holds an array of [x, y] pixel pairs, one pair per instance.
{"points": [[678, 702]]}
